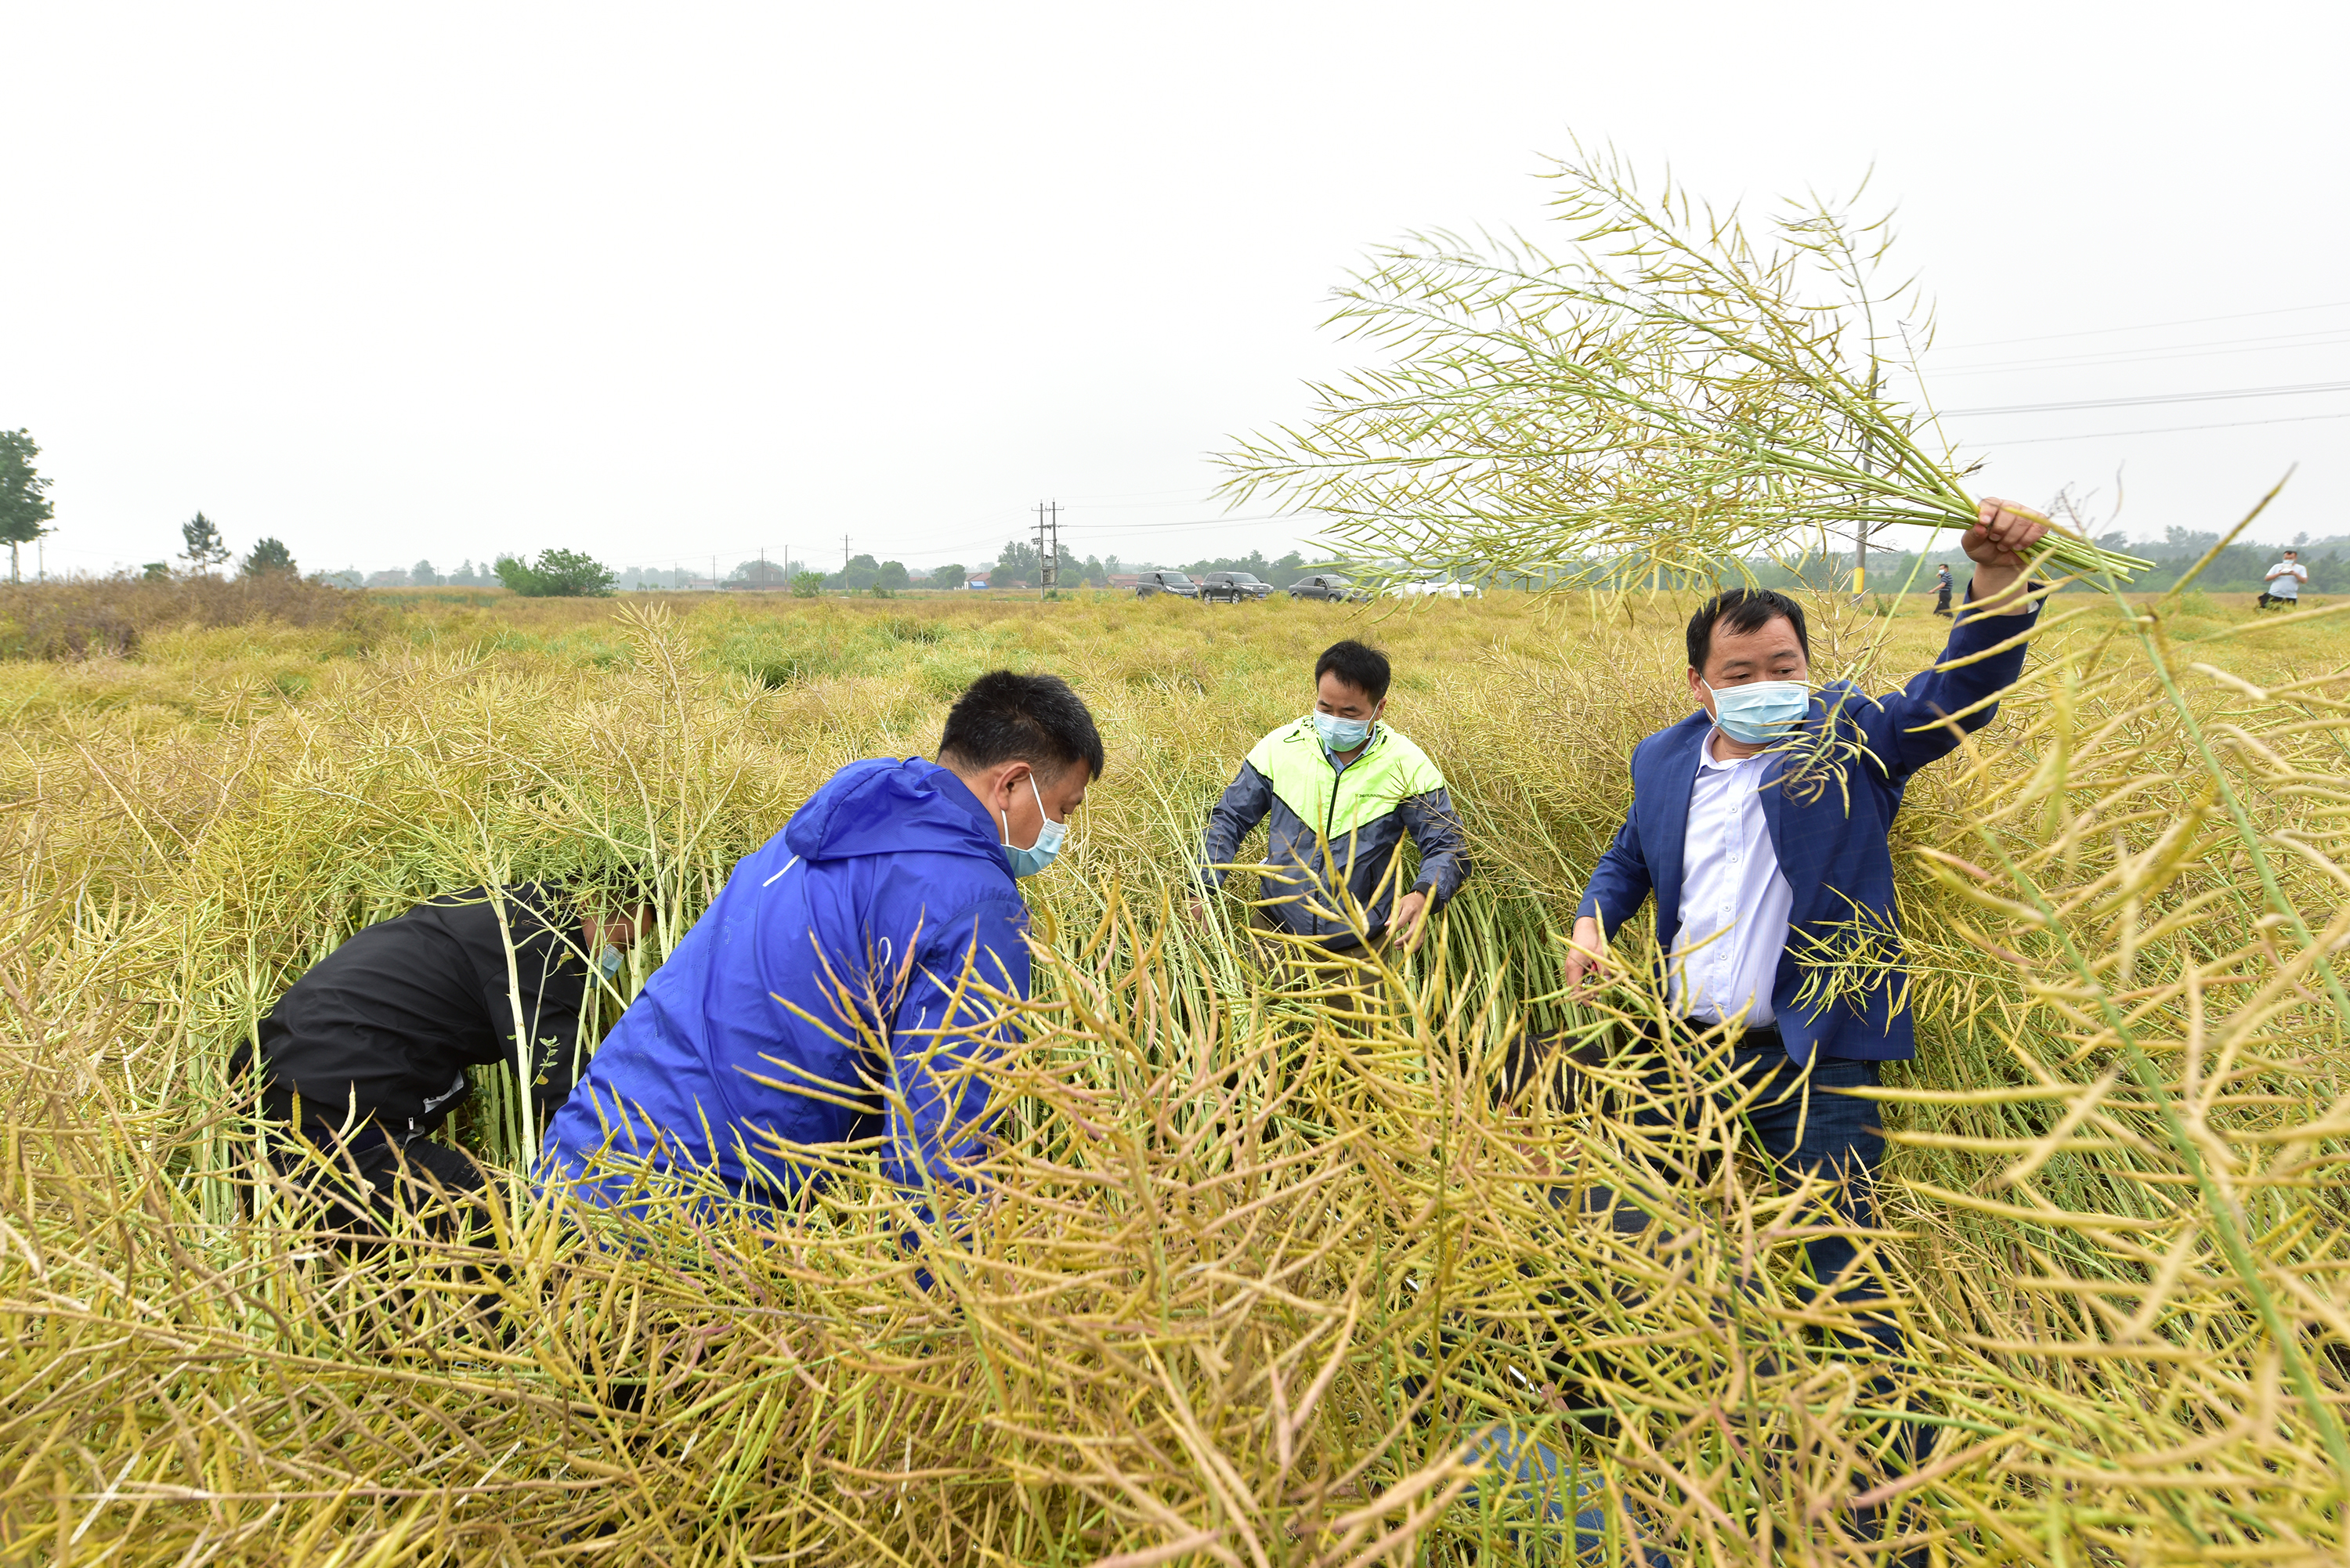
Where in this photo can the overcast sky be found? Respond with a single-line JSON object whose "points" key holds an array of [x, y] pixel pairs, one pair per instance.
{"points": [[671, 282]]}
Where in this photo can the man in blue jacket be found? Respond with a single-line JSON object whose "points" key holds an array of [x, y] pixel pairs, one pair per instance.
{"points": [[832, 991], [1760, 824]]}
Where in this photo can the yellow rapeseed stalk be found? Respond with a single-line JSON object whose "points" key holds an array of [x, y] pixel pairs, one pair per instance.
{"points": [[1267, 1254]]}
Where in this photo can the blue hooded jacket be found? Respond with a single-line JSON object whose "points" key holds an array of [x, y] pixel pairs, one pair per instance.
{"points": [[814, 1002]]}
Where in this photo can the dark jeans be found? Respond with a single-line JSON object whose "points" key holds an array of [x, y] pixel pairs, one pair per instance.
{"points": [[1806, 1129], [360, 1179]]}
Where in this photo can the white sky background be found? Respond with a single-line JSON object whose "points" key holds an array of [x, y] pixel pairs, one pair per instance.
{"points": [[664, 283]]}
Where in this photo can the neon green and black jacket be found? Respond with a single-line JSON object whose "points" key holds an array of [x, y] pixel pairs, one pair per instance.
{"points": [[1360, 814]]}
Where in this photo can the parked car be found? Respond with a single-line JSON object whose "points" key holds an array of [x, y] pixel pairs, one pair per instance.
{"points": [[1433, 590], [1233, 586], [1325, 585], [1153, 583]]}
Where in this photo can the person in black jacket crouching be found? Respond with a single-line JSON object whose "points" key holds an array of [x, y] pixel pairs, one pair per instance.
{"points": [[366, 1053]]}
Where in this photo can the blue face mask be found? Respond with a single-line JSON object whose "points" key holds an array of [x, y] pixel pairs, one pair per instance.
{"points": [[1761, 710], [1342, 734], [1036, 856]]}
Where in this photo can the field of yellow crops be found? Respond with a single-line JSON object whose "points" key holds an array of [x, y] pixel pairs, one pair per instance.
{"points": [[1259, 1263]]}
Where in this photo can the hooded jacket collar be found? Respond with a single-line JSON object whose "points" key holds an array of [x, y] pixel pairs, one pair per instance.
{"points": [[888, 806]]}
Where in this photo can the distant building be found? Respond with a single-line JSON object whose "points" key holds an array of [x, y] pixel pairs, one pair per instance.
{"points": [[1126, 579], [976, 583]]}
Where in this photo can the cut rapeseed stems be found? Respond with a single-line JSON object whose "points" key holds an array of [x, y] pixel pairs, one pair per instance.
{"points": [[1660, 388]]}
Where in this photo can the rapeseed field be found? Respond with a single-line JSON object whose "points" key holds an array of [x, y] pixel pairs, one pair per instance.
{"points": [[1263, 1261]]}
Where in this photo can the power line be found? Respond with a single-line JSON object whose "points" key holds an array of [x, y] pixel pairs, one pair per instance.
{"points": [[2277, 344], [2156, 397], [1191, 490], [2167, 429], [1216, 523], [2150, 326]]}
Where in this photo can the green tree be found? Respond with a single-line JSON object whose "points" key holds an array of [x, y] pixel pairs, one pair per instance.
{"points": [[807, 585], [423, 575], [206, 549], [951, 576], [24, 505], [155, 572], [559, 574], [860, 573], [269, 556], [893, 576], [1015, 563], [761, 572]]}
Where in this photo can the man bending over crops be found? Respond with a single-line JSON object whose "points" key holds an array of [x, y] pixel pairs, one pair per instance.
{"points": [[836, 989], [365, 1054], [1341, 790], [1760, 823]]}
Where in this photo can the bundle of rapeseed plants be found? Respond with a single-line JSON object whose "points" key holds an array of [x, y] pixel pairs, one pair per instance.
{"points": [[1653, 384]]}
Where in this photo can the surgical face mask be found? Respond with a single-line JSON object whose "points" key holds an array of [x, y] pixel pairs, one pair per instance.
{"points": [[1760, 710], [1342, 734], [1036, 856], [609, 961]]}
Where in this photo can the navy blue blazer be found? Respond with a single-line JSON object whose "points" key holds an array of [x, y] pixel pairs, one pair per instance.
{"points": [[1841, 988]]}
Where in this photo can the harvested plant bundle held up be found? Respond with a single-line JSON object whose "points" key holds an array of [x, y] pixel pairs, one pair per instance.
{"points": [[1656, 385]]}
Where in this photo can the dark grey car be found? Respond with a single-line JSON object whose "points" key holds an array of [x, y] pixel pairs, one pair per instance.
{"points": [[1325, 585], [1154, 583], [1233, 587]]}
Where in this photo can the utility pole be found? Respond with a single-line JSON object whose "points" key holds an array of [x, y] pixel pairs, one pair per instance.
{"points": [[762, 567], [1048, 547], [843, 552], [1860, 524]]}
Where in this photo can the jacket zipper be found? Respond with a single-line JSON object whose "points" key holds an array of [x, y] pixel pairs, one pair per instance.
{"points": [[1338, 782]]}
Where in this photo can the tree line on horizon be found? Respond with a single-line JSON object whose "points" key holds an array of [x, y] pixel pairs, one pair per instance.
{"points": [[26, 513], [1016, 564]]}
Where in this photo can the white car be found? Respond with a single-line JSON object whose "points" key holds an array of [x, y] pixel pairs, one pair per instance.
{"points": [[1434, 589]]}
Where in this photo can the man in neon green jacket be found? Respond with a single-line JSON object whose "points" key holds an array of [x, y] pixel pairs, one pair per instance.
{"points": [[1339, 791]]}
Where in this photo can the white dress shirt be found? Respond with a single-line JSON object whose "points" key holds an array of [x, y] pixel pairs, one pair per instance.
{"points": [[2286, 579], [1731, 885]]}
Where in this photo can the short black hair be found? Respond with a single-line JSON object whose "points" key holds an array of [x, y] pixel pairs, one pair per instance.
{"points": [[1359, 666], [1031, 718], [1746, 609]]}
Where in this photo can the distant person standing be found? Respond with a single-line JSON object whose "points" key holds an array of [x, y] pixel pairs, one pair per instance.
{"points": [[1942, 590], [2284, 582]]}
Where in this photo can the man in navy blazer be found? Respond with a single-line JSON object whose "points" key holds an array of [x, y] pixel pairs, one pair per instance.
{"points": [[1759, 823]]}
